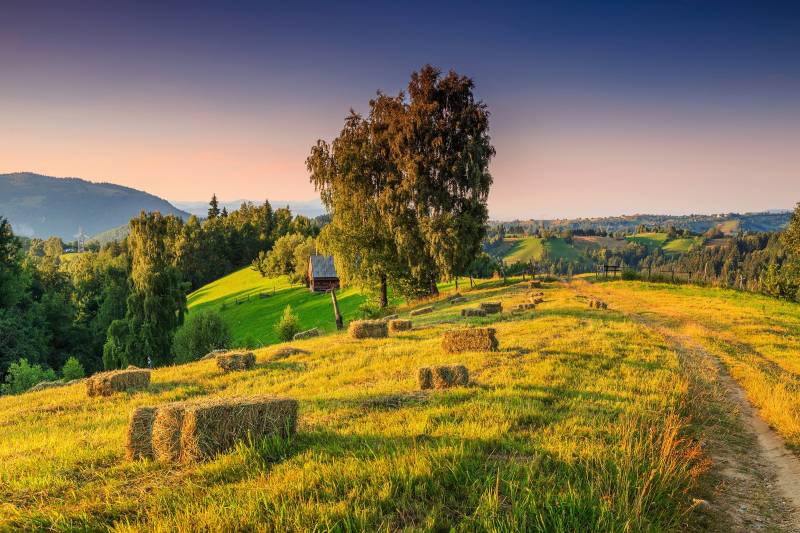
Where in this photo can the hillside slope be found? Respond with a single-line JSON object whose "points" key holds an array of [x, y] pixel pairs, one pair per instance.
{"points": [[252, 305], [42, 206], [575, 424]]}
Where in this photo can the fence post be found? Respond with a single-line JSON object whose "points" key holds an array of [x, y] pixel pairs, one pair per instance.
{"points": [[336, 313]]}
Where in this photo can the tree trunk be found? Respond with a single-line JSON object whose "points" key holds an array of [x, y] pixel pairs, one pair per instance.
{"points": [[336, 313], [384, 292], [471, 283], [456, 283], [434, 289]]}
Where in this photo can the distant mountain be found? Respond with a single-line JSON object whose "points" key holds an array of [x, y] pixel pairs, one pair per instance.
{"points": [[309, 208], [42, 206]]}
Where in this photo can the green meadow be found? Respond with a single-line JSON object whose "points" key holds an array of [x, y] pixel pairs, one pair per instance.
{"points": [[584, 420]]}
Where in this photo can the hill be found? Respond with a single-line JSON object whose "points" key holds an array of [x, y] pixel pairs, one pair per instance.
{"points": [[252, 305], [584, 420], [728, 222], [43, 206]]}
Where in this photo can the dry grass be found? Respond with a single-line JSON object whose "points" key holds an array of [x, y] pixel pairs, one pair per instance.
{"points": [[107, 383], [368, 329], [471, 339]]}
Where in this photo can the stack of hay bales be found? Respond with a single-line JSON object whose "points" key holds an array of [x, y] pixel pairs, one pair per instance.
{"points": [[473, 312], [107, 383], [422, 311], [184, 431], [492, 307], [399, 325], [229, 362], [309, 333], [368, 329], [472, 339], [442, 377]]}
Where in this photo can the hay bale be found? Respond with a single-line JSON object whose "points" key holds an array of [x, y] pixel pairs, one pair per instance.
{"points": [[492, 307], [229, 362], [459, 300], [473, 312], [368, 329], [139, 438], [166, 431], [422, 311], [399, 325], [389, 318], [309, 333], [526, 306], [534, 284], [471, 339], [44, 385], [215, 426], [286, 351], [107, 383], [442, 377], [212, 354]]}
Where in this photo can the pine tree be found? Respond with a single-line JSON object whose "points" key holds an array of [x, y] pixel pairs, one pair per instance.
{"points": [[213, 207]]}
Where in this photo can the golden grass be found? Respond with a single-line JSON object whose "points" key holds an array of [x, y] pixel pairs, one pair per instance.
{"points": [[571, 426]]}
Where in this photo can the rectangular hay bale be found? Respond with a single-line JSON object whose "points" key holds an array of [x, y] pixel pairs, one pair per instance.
{"points": [[307, 334], [526, 306], [139, 437], [399, 325], [107, 383], [368, 329], [442, 377], [473, 312], [422, 311], [216, 426], [166, 432], [492, 307], [470, 339], [229, 362]]}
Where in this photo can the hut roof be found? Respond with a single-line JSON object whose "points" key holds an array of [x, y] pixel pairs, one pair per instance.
{"points": [[322, 266]]}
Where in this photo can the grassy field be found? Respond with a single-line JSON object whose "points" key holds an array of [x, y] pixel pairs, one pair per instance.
{"points": [[254, 317], [652, 239], [756, 337], [682, 246], [576, 424], [523, 250]]}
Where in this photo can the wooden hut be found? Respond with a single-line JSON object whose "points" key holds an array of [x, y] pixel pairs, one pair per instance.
{"points": [[322, 273]]}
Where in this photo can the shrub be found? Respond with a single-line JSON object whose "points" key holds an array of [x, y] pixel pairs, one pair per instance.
{"points": [[630, 275], [73, 369], [370, 310], [202, 333], [22, 376], [288, 325]]}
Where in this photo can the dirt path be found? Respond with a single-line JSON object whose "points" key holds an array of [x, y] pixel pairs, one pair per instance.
{"points": [[756, 479]]}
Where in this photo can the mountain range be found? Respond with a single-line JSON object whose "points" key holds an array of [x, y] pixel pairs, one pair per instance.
{"points": [[43, 206]]}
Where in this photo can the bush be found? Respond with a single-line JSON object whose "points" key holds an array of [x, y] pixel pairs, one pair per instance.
{"points": [[630, 275], [202, 333], [370, 310], [73, 369], [288, 325], [22, 376]]}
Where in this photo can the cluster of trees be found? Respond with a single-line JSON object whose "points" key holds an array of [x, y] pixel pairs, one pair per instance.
{"points": [[406, 186], [122, 304]]}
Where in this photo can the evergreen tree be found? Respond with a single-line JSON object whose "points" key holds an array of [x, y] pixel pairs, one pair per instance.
{"points": [[213, 207]]}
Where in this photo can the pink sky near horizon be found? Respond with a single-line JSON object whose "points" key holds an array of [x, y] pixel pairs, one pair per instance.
{"points": [[552, 161]]}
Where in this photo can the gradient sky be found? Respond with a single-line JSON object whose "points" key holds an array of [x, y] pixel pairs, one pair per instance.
{"points": [[598, 108]]}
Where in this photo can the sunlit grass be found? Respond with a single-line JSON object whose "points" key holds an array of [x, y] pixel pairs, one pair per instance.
{"points": [[573, 425]]}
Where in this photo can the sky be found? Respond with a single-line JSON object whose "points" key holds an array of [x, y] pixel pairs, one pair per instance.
{"points": [[597, 108]]}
